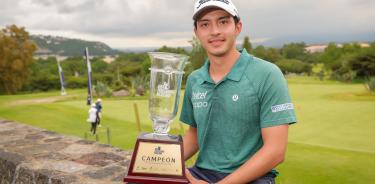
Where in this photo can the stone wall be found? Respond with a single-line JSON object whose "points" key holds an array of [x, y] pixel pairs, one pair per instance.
{"points": [[33, 155]]}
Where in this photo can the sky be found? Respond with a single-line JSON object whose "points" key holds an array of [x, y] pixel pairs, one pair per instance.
{"points": [[153, 23]]}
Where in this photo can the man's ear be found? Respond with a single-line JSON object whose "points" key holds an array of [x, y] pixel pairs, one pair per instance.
{"points": [[238, 27]]}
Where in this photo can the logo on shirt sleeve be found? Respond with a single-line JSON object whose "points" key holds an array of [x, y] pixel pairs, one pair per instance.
{"points": [[282, 107]]}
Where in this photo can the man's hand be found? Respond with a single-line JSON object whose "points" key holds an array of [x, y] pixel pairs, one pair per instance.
{"points": [[192, 179]]}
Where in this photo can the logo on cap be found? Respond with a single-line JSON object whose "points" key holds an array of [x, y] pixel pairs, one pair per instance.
{"points": [[226, 5], [201, 2]]}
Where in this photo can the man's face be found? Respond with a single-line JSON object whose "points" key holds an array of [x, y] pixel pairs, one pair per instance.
{"points": [[217, 31]]}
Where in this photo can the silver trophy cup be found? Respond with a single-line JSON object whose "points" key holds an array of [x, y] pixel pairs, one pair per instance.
{"points": [[158, 157], [167, 70]]}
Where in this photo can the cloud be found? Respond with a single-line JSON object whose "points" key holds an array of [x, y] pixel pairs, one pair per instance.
{"points": [[288, 17], [168, 20], [112, 17]]}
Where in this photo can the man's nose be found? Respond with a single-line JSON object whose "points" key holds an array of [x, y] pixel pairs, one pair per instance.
{"points": [[215, 30]]}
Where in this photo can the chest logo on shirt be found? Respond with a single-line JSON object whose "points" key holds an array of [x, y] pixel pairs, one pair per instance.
{"points": [[199, 99], [235, 98]]}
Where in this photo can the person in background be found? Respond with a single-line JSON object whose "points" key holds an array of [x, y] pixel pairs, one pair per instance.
{"points": [[93, 118], [98, 105]]}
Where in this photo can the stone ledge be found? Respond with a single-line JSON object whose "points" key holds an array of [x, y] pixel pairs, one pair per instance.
{"points": [[33, 155]]}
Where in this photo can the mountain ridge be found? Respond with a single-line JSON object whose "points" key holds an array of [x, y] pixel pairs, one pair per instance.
{"points": [[63, 46]]}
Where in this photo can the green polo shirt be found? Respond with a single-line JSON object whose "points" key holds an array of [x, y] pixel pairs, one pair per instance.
{"points": [[229, 114]]}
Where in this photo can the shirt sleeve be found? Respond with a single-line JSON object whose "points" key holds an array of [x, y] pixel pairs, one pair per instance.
{"points": [[276, 107], [187, 111]]}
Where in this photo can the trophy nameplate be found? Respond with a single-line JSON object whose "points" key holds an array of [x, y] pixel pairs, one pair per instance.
{"points": [[157, 161], [158, 157]]}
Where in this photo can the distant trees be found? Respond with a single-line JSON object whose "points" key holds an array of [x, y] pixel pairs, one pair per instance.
{"points": [[44, 75], [16, 56], [349, 62], [198, 54], [247, 44], [294, 66], [177, 50], [346, 62], [270, 54], [294, 51], [363, 64], [130, 71]]}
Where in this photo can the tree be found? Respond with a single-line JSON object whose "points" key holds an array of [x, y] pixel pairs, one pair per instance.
{"points": [[247, 45], [177, 50], [198, 54], [294, 51], [270, 54], [98, 65], [260, 52], [74, 66], [16, 56], [364, 63], [294, 66], [331, 56], [44, 75], [351, 48]]}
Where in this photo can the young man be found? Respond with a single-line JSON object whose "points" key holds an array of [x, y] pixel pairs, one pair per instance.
{"points": [[237, 106]]}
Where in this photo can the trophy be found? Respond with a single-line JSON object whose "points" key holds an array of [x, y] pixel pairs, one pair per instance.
{"points": [[158, 156]]}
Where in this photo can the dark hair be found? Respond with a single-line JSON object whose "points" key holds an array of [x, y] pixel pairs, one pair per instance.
{"points": [[236, 20]]}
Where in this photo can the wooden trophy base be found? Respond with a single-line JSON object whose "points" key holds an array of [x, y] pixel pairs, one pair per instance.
{"points": [[157, 159]]}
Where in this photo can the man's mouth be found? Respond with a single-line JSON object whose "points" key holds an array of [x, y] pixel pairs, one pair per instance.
{"points": [[216, 41]]}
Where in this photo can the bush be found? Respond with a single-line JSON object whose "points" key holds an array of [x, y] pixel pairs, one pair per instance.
{"points": [[118, 85], [102, 89], [76, 82], [343, 75], [140, 84], [43, 83], [294, 66], [363, 64], [371, 84], [105, 78]]}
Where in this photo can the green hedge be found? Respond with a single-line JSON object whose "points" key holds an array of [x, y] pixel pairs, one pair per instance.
{"points": [[76, 82], [294, 66], [42, 83]]}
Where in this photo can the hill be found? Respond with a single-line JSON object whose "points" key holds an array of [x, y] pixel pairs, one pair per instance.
{"points": [[57, 45]]}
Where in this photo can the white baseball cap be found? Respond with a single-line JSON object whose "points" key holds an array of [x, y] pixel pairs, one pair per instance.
{"points": [[226, 5]]}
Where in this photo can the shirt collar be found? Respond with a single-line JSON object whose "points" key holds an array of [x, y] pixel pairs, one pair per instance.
{"points": [[240, 66], [236, 72]]}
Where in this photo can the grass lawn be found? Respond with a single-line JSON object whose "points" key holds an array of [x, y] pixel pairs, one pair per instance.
{"points": [[331, 143]]}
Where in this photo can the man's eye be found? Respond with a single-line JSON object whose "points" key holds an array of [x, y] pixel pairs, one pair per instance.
{"points": [[223, 22], [204, 25]]}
